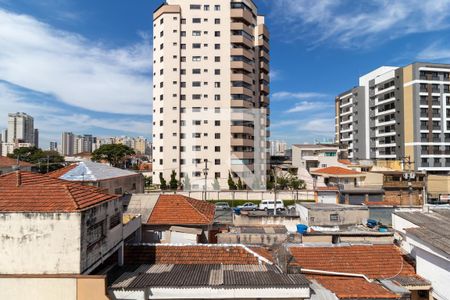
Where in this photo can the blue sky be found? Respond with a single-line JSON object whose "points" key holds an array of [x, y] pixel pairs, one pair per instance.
{"points": [[85, 66]]}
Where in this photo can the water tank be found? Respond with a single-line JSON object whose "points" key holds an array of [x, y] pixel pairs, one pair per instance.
{"points": [[302, 228]]}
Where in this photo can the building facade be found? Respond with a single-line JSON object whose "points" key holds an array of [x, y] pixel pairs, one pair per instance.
{"points": [[397, 113], [20, 133], [210, 92]]}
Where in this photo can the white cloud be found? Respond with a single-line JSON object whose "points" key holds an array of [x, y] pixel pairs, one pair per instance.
{"points": [[356, 24], [305, 106], [296, 96], [436, 51], [75, 70], [319, 126]]}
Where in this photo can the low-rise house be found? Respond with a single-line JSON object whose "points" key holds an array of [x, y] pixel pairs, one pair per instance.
{"points": [[110, 179], [332, 215], [9, 165], [203, 272], [51, 226], [269, 235], [172, 218], [357, 272], [426, 236]]}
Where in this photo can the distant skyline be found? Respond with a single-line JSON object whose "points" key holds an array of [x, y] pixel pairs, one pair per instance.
{"points": [[86, 66]]}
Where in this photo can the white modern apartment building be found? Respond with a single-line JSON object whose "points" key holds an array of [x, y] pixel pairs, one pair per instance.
{"points": [[396, 113], [20, 133], [210, 91]]}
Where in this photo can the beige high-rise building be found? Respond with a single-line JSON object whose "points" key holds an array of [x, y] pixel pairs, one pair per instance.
{"points": [[210, 91]]}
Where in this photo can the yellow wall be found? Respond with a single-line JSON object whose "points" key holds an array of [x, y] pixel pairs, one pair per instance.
{"points": [[438, 184], [408, 112]]}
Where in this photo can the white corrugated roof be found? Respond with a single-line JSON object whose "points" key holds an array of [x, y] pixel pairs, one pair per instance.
{"points": [[92, 171]]}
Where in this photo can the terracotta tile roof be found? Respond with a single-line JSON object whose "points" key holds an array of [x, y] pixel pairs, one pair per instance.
{"points": [[6, 162], [354, 288], [336, 171], [191, 254], [23, 191], [375, 261], [60, 172], [345, 161], [181, 210]]}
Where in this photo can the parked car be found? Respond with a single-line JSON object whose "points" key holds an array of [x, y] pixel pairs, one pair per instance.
{"points": [[248, 206], [222, 206], [270, 204]]}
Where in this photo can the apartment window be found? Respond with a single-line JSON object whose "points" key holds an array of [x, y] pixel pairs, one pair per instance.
{"points": [[196, 83], [217, 149], [196, 71], [196, 135], [206, 7], [196, 58], [161, 46], [217, 46], [217, 175], [114, 220], [96, 233], [161, 72], [217, 84], [217, 72], [182, 162], [217, 136], [196, 148], [196, 20], [161, 34], [183, 21], [217, 33], [196, 122], [161, 21], [196, 33], [216, 7], [216, 123], [182, 136], [196, 174], [174, 133], [175, 18], [216, 21], [182, 149], [161, 110], [196, 46], [161, 161], [217, 110], [182, 97], [217, 162], [217, 97], [161, 97], [196, 96], [217, 58], [161, 59], [161, 123], [183, 33], [196, 109], [195, 6], [183, 71], [183, 59], [183, 46], [161, 84], [183, 84], [175, 31]]}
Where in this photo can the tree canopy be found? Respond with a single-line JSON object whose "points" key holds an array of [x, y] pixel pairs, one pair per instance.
{"points": [[43, 160], [115, 154]]}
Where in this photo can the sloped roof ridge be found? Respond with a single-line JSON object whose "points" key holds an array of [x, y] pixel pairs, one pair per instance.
{"points": [[69, 192], [188, 199]]}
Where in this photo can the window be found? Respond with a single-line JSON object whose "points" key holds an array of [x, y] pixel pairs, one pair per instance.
{"points": [[217, 46], [217, 58], [183, 46], [216, 7], [183, 59], [217, 175], [161, 21], [216, 21], [196, 58], [182, 97], [217, 72], [196, 33], [217, 97], [196, 135], [161, 46], [196, 83], [161, 72], [183, 84], [196, 174], [216, 123], [195, 6], [217, 110], [196, 71], [217, 33], [217, 148], [217, 84], [206, 7], [217, 162], [334, 217], [196, 109], [183, 33], [196, 148], [183, 21], [115, 219], [217, 136], [196, 96], [161, 34], [96, 232], [183, 71], [196, 20], [196, 46], [196, 122]]}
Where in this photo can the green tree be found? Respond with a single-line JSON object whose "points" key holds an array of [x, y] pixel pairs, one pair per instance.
{"points": [[282, 182], [216, 185], [43, 160], [173, 183], [296, 184], [231, 185], [148, 181], [187, 183], [240, 186], [162, 182], [115, 154]]}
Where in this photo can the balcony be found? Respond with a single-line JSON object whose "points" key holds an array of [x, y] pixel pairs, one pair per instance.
{"points": [[242, 52], [241, 91], [241, 77], [403, 184], [265, 77], [264, 66], [265, 88], [241, 104], [239, 13], [241, 65], [241, 26], [242, 142], [242, 155], [239, 39], [262, 43], [264, 54], [242, 129]]}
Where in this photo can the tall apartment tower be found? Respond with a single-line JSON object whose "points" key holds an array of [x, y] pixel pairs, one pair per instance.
{"points": [[398, 113], [20, 128], [210, 91], [67, 143]]}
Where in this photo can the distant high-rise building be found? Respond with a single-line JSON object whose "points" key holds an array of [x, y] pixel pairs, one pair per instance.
{"points": [[398, 113], [53, 146], [20, 128], [278, 148], [67, 143], [36, 137], [4, 138], [210, 93]]}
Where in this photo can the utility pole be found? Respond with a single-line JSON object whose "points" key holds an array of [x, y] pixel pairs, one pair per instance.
{"points": [[205, 172], [48, 163], [275, 192], [410, 175]]}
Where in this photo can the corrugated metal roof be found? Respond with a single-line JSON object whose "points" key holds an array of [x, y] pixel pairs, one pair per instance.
{"points": [[92, 171], [237, 276]]}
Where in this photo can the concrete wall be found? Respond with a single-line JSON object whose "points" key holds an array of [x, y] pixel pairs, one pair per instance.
{"points": [[436, 269], [248, 195], [57, 288], [251, 239], [129, 184], [94, 253], [312, 217], [36, 243], [289, 222], [437, 184]]}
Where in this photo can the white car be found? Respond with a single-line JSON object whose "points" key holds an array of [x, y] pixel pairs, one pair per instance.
{"points": [[270, 204], [248, 206]]}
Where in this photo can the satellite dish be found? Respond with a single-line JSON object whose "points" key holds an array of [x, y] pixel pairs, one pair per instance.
{"points": [[405, 175]]}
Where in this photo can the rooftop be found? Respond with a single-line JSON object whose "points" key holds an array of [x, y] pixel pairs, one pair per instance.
{"points": [[433, 227], [337, 171], [6, 162], [89, 171], [326, 206], [175, 209], [23, 191]]}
